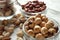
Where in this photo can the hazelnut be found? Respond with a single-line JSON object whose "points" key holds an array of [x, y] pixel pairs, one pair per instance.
{"points": [[38, 16], [1, 14], [6, 38], [5, 22], [30, 32], [1, 27], [45, 19], [52, 30], [32, 18], [17, 16], [13, 20], [1, 32], [37, 29], [42, 24], [20, 33], [8, 13], [38, 21], [31, 25], [45, 35], [19, 38], [27, 27], [43, 15], [1, 37], [6, 34], [17, 22], [12, 26], [5, 28], [44, 30], [39, 36], [10, 30], [49, 24], [20, 26], [22, 19]]}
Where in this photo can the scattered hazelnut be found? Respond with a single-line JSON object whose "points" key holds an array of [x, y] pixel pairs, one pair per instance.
{"points": [[1, 36], [7, 34], [5, 22], [20, 26], [17, 22], [6, 38], [20, 33]]}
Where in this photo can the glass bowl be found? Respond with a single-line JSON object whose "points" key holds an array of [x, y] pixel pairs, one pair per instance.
{"points": [[27, 14], [49, 38]]}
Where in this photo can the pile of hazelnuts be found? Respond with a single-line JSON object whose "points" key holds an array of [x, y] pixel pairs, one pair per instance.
{"points": [[7, 26], [40, 26], [34, 6]]}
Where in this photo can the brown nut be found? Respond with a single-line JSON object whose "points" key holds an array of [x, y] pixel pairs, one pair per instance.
{"points": [[38, 21], [39, 36], [49, 24], [8, 13], [19, 38], [12, 25], [6, 34], [5, 22], [32, 18], [20, 26], [17, 22], [44, 30], [37, 29], [1, 14], [1, 37], [38, 16], [13, 20], [20, 33], [30, 32], [6, 38], [5, 28], [52, 30], [22, 19], [31, 25], [42, 24], [17, 16], [10, 30], [45, 19], [1, 27], [46, 35], [43, 15], [1, 32]]}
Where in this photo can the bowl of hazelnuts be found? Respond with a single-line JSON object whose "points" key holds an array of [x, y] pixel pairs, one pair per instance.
{"points": [[32, 8], [40, 27]]}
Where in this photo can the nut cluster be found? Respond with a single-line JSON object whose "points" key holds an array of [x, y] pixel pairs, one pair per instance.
{"points": [[34, 6], [40, 27], [7, 26]]}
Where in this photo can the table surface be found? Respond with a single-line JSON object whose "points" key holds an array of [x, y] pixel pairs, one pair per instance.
{"points": [[51, 13]]}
